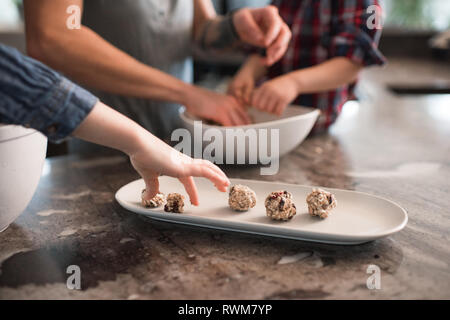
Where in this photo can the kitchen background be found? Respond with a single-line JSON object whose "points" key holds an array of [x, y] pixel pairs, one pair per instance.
{"points": [[393, 142], [416, 41]]}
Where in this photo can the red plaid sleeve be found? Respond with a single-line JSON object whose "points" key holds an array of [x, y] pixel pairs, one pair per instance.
{"points": [[354, 33]]}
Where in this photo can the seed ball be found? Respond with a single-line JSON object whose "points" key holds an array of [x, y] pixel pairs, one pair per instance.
{"points": [[279, 206], [174, 203], [154, 202], [320, 203], [241, 198]]}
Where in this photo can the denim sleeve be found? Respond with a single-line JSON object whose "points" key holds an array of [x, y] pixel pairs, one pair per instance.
{"points": [[35, 96]]}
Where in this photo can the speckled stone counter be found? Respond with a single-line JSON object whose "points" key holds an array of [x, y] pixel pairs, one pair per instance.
{"points": [[395, 147]]}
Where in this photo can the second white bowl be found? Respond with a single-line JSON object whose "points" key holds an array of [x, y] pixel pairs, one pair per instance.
{"points": [[22, 155]]}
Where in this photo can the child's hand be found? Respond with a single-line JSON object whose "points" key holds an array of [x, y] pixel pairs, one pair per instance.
{"points": [[149, 155], [275, 95], [242, 85], [152, 160]]}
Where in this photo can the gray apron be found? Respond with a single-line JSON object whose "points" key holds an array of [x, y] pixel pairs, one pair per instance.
{"points": [[155, 32]]}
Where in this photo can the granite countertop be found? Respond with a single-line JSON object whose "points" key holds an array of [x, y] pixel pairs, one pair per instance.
{"points": [[386, 145]]}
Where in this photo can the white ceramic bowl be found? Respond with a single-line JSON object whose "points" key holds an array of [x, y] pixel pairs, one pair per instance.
{"points": [[293, 127], [22, 155]]}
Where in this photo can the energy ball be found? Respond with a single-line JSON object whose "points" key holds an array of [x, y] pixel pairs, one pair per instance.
{"points": [[154, 202], [174, 203], [279, 206], [241, 198], [320, 203]]}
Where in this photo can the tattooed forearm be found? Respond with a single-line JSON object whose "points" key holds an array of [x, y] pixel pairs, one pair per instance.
{"points": [[218, 34]]}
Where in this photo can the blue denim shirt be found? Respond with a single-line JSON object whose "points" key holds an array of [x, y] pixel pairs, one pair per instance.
{"points": [[35, 96]]}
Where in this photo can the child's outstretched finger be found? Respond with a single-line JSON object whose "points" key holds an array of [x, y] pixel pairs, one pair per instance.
{"points": [[191, 189], [200, 169], [225, 181], [151, 187]]}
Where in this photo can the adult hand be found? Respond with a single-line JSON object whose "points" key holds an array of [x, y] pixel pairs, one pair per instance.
{"points": [[220, 108], [263, 27]]}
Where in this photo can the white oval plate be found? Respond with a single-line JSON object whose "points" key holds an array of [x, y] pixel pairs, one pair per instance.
{"points": [[358, 217]]}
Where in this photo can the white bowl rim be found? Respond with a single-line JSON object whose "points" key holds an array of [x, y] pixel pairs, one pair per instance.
{"points": [[22, 131], [312, 113]]}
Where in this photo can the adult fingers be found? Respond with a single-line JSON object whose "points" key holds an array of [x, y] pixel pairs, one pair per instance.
{"points": [[191, 189], [274, 56], [248, 28], [283, 38], [236, 114], [235, 119], [224, 119], [243, 115], [272, 23], [278, 48], [239, 117]]}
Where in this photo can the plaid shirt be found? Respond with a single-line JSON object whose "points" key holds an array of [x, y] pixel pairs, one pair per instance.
{"points": [[321, 30]]}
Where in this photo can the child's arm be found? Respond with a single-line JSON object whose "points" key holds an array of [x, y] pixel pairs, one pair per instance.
{"points": [[33, 95], [328, 75], [274, 95], [149, 155], [243, 82]]}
